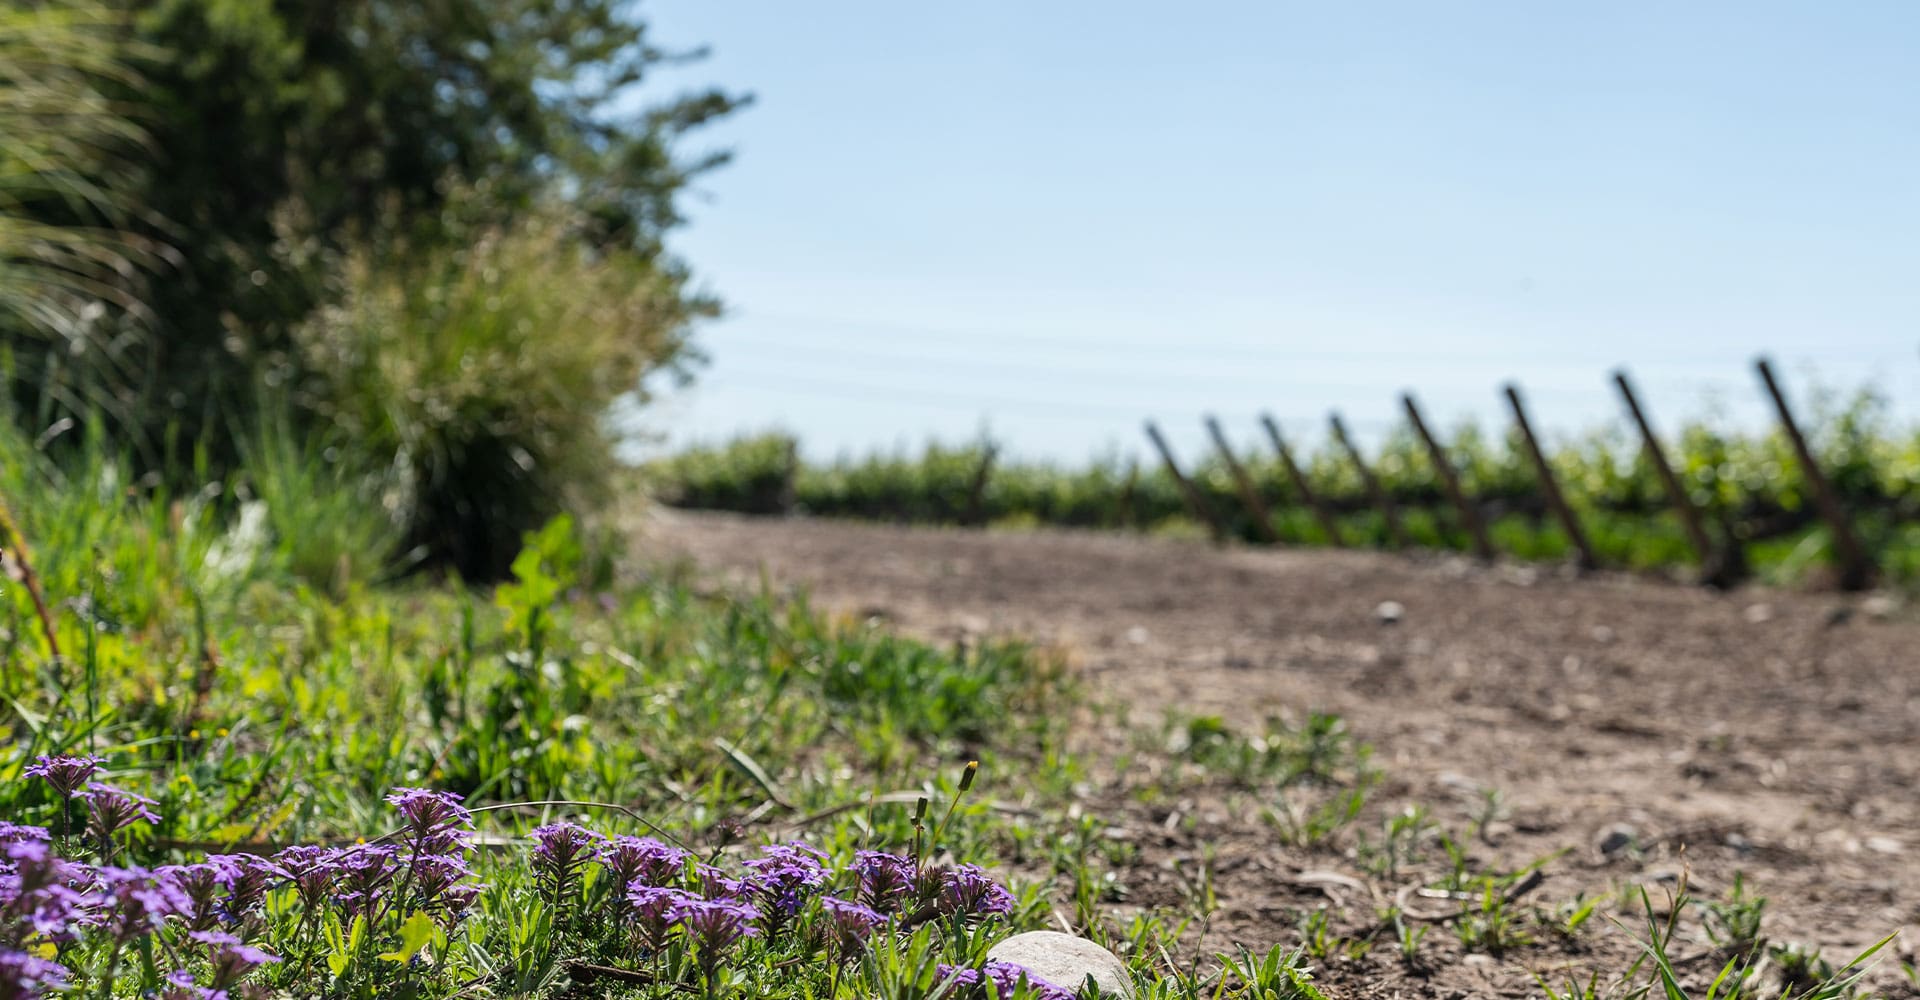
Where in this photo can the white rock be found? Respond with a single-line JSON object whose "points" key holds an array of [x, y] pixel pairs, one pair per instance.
{"points": [[1066, 961], [1389, 612]]}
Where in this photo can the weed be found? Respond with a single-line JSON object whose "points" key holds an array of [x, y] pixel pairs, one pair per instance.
{"points": [[1734, 923], [1277, 975]]}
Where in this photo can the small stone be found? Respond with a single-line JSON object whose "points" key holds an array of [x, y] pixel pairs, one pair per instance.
{"points": [[1617, 838], [1879, 607], [1884, 845], [1137, 636], [1389, 612], [1066, 961], [1757, 614]]}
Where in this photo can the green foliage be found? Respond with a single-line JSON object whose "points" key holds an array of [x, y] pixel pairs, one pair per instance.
{"points": [[1750, 488], [483, 374], [432, 234]]}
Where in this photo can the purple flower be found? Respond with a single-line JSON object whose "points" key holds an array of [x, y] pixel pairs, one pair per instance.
{"points": [[436, 822], [67, 775], [1006, 977], [110, 809], [200, 884], [428, 811], [36, 889], [135, 901], [24, 976], [12, 832], [438, 883], [713, 925], [560, 854], [362, 876], [246, 879], [642, 859], [885, 879], [966, 890], [849, 924], [312, 871], [652, 908], [231, 960], [995, 981], [784, 880], [713, 883]]}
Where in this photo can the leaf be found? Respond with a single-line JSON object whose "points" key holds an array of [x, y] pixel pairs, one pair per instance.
{"points": [[418, 932], [338, 957]]}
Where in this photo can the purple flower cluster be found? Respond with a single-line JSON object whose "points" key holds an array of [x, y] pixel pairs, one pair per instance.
{"points": [[996, 981], [632, 897], [46, 900], [66, 775], [560, 856], [426, 871], [783, 879], [968, 892]]}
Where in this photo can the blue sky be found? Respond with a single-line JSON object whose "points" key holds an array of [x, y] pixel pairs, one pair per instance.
{"points": [[1052, 220]]}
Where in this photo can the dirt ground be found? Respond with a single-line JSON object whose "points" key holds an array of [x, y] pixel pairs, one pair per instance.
{"points": [[1761, 732]]}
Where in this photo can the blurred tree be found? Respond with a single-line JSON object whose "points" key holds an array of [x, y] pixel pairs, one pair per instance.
{"points": [[281, 132]]}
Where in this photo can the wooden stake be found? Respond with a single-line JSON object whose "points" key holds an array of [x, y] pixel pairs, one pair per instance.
{"points": [[1381, 501], [1196, 503], [789, 487], [1555, 499], [1469, 517], [1243, 483], [1676, 494], [977, 492], [1300, 485], [1129, 490], [1856, 568]]}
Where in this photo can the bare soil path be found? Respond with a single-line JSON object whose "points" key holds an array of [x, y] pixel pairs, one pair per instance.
{"points": [[1769, 733]]}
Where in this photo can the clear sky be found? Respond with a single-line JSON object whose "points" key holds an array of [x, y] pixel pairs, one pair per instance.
{"points": [[1055, 219]]}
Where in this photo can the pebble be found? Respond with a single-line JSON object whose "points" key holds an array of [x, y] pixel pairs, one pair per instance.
{"points": [[1066, 961], [1389, 612], [1617, 838], [1758, 614], [1879, 607]]}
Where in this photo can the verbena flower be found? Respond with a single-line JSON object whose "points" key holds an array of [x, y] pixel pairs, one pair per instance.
{"points": [[426, 811], [312, 870], [436, 821], [246, 879], [200, 884], [361, 878], [560, 853], [643, 859], [110, 809], [967, 891], [229, 958], [67, 775], [652, 908], [1005, 976], [994, 981], [849, 924], [713, 926], [134, 901], [714, 883], [11, 832], [24, 976], [783, 881], [886, 880], [437, 883]]}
